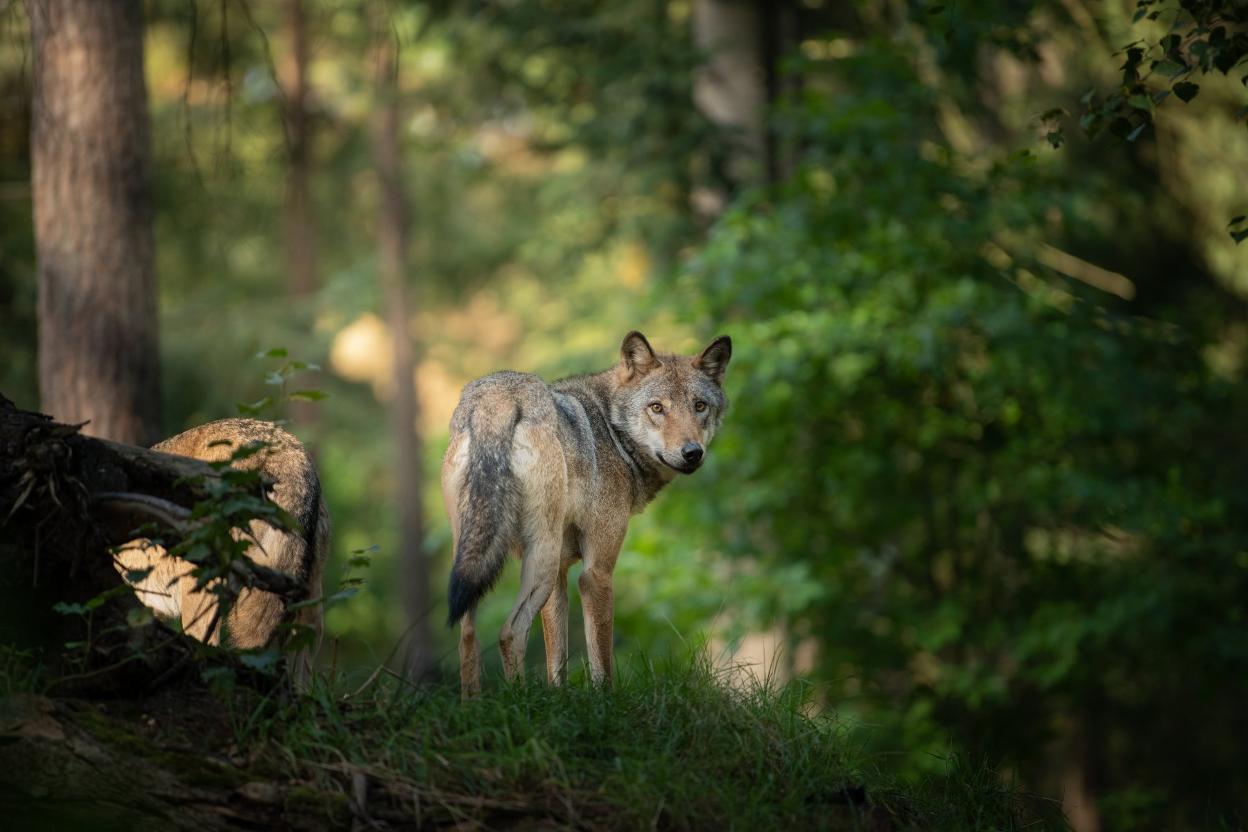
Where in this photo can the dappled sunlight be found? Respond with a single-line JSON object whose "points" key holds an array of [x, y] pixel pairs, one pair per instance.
{"points": [[980, 489]]}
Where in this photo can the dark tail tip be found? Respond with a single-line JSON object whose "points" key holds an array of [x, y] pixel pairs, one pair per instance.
{"points": [[462, 596]]}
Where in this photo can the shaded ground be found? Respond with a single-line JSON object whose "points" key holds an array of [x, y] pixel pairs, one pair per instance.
{"points": [[670, 749]]}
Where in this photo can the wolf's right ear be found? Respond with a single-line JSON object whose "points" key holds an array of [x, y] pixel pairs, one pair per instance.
{"points": [[636, 355]]}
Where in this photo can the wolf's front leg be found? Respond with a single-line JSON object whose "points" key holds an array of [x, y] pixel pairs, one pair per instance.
{"points": [[555, 630], [601, 548], [597, 603]]}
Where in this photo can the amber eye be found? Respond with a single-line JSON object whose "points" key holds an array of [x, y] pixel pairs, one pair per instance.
{"points": [[699, 405], [656, 407]]}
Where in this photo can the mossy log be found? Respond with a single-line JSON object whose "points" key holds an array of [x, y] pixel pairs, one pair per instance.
{"points": [[170, 761], [73, 764]]}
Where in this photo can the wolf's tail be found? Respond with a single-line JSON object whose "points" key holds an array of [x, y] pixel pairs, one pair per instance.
{"points": [[489, 506]]}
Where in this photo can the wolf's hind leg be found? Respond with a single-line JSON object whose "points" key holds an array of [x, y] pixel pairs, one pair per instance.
{"points": [[469, 656], [538, 572], [555, 629], [543, 476]]}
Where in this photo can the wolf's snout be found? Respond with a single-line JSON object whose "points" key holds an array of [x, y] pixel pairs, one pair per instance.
{"points": [[692, 452]]}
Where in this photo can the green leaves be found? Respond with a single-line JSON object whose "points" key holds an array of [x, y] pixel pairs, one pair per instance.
{"points": [[1186, 90], [256, 408], [1238, 229], [1169, 69], [139, 617], [281, 378]]}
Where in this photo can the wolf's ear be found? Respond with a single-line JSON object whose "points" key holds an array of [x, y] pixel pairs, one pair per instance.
{"points": [[714, 359], [636, 355]]}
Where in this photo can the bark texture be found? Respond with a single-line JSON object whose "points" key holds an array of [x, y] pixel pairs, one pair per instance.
{"points": [[392, 241], [90, 159], [730, 89], [299, 213], [71, 764], [300, 218]]}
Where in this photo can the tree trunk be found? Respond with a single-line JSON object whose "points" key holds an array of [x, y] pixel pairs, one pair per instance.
{"points": [[300, 222], [731, 90], [90, 158], [392, 239], [780, 36], [299, 216]]}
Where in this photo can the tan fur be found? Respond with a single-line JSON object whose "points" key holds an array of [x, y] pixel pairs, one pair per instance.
{"points": [[584, 455], [170, 591]]}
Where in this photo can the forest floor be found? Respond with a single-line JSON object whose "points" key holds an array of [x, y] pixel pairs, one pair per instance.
{"points": [[669, 748]]}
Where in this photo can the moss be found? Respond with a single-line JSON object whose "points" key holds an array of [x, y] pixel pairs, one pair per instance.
{"points": [[121, 735], [332, 807], [108, 730]]}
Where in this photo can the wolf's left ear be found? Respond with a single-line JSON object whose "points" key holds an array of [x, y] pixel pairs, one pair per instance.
{"points": [[637, 355], [714, 359]]}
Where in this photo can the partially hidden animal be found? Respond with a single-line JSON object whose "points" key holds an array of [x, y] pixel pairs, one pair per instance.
{"points": [[553, 472], [164, 583]]}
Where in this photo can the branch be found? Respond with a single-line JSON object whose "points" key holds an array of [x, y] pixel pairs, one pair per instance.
{"points": [[119, 511]]}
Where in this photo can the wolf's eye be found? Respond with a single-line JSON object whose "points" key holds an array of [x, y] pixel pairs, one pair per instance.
{"points": [[656, 407], [699, 405]]}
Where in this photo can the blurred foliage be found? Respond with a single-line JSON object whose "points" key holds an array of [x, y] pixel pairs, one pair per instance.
{"points": [[983, 473], [1022, 499]]}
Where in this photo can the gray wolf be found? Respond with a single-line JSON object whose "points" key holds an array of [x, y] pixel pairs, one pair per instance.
{"points": [[553, 472], [169, 590]]}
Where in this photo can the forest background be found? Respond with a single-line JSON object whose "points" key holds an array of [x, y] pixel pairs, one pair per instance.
{"points": [[984, 482]]}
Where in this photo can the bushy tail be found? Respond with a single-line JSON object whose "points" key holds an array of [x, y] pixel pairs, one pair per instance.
{"points": [[488, 507]]}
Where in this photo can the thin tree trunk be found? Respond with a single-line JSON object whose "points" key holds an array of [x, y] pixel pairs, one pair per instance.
{"points": [[392, 240], [300, 221], [731, 90], [90, 159], [781, 34], [299, 214]]}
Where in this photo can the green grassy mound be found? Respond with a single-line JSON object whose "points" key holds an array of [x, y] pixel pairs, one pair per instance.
{"points": [[667, 748]]}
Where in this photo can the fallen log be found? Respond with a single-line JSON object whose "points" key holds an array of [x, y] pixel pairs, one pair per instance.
{"points": [[65, 499]]}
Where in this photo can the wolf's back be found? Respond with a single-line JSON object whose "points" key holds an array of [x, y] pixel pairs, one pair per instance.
{"points": [[489, 499]]}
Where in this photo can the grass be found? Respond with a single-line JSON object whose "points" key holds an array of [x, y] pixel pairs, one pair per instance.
{"points": [[670, 747]]}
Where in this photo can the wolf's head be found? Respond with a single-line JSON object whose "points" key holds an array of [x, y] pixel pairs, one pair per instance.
{"points": [[671, 405]]}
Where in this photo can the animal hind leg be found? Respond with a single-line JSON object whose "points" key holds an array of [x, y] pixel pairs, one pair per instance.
{"points": [[542, 474], [469, 656], [538, 572]]}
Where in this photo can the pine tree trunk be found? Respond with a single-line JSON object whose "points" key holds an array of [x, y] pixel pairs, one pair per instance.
{"points": [[90, 159], [299, 215], [300, 222], [730, 89], [392, 239]]}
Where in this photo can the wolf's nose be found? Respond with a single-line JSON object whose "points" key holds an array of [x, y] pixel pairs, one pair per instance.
{"points": [[692, 452]]}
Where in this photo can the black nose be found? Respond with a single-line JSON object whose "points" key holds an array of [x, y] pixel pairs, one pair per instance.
{"points": [[692, 452]]}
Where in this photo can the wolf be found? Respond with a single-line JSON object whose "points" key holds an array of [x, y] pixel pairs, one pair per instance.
{"points": [[553, 472], [168, 588]]}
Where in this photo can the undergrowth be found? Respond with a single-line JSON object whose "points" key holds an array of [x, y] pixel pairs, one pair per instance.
{"points": [[671, 746]]}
